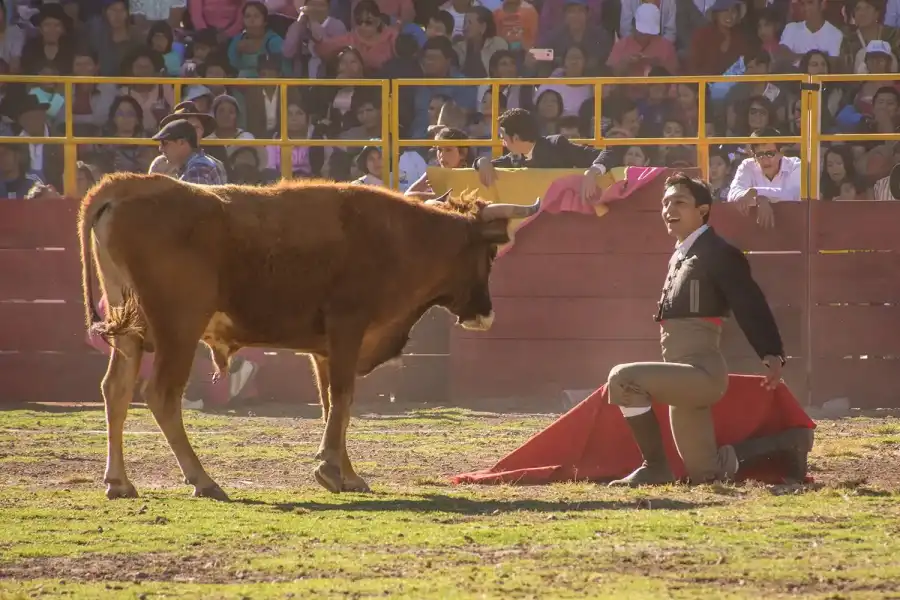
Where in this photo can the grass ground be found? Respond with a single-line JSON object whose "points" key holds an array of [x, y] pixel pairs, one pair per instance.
{"points": [[417, 536]]}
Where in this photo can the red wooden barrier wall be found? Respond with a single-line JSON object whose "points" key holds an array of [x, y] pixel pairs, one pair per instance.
{"points": [[44, 355], [575, 296]]}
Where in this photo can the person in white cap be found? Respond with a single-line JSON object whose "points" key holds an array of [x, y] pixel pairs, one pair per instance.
{"points": [[629, 17], [869, 25], [636, 54], [879, 58]]}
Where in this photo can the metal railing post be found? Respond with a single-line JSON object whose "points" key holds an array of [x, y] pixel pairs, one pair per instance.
{"points": [[284, 150], [70, 149], [702, 142], [395, 129], [387, 109]]}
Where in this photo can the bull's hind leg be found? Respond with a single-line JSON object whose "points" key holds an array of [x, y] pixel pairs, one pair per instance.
{"points": [[323, 381], [170, 375], [118, 389]]}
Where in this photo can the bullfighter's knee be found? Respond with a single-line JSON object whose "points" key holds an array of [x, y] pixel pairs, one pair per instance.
{"points": [[623, 388]]}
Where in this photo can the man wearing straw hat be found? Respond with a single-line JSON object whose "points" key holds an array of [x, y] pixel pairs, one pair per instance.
{"points": [[203, 123]]}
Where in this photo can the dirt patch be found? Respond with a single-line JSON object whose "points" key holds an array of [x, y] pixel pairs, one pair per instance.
{"points": [[133, 568]]}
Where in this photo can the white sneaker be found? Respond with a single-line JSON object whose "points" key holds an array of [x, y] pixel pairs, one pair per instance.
{"points": [[238, 379]]}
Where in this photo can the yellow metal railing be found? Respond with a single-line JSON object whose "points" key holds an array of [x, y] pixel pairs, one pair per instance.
{"points": [[70, 141], [810, 136], [701, 140]]}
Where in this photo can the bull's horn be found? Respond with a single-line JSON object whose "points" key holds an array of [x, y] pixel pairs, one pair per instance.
{"points": [[493, 212], [440, 199]]}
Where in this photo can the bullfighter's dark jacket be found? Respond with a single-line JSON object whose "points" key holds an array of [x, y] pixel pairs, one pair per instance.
{"points": [[713, 279]]}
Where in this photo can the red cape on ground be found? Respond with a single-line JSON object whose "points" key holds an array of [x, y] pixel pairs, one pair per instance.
{"points": [[593, 442]]}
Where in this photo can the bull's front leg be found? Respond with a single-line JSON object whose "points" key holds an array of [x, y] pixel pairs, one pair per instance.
{"points": [[352, 481], [331, 451], [342, 358]]}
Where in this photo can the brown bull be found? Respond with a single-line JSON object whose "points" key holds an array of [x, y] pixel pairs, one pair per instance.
{"points": [[337, 271]]}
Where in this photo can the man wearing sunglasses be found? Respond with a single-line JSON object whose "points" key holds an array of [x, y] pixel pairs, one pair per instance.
{"points": [[765, 178]]}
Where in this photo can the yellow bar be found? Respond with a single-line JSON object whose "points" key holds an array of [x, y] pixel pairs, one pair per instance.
{"points": [[395, 129], [496, 143], [387, 109], [176, 93], [815, 135], [855, 77], [148, 142], [456, 81], [702, 144], [287, 170], [804, 146], [858, 137], [618, 141], [174, 80], [70, 150], [598, 113]]}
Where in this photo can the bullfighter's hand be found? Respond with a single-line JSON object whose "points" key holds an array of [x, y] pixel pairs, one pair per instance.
{"points": [[773, 374], [590, 191], [765, 216], [486, 173]]}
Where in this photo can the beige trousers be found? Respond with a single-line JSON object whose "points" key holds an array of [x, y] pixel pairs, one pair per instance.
{"points": [[691, 379]]}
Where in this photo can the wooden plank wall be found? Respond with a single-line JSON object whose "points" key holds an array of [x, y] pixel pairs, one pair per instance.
{"points": [[856, 302], [45, 357], [574, 297]]}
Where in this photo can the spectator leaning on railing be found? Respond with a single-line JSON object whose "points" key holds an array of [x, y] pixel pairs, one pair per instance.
{"points": [[527, 149], [766, 178]]}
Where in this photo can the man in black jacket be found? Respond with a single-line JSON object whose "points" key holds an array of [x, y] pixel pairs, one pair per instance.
{"points": [[527, 149], [707, 279]]}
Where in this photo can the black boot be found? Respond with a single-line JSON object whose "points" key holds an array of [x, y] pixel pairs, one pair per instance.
{"points": [[794, 444], [655, 469]]}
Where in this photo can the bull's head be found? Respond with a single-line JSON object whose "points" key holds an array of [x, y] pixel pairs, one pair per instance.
{"points": [[471, 296]]}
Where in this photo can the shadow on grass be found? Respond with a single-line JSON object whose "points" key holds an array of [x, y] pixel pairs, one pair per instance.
{"points": [[426, 503]]}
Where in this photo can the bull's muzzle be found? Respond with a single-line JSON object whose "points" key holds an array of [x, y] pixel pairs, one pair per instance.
{"points": [[479, 323]]}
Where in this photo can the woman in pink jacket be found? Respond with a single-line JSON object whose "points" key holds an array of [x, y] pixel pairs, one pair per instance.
{"points": [[222, 15]]}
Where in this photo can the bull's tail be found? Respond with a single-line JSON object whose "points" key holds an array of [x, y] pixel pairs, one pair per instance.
{"points": [[91, 209], [121, 320]]}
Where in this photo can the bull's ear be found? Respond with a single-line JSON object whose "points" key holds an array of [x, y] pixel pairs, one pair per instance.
{"points": [[496, 232], [440, 199]]}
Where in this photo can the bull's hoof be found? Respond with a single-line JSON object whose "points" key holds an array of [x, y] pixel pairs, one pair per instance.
{"points": [[329, 477], [356, 484], [120, 490], [213, 491]]}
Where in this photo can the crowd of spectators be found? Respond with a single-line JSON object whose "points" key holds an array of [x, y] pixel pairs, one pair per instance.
{"points": [[357, 39]]}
